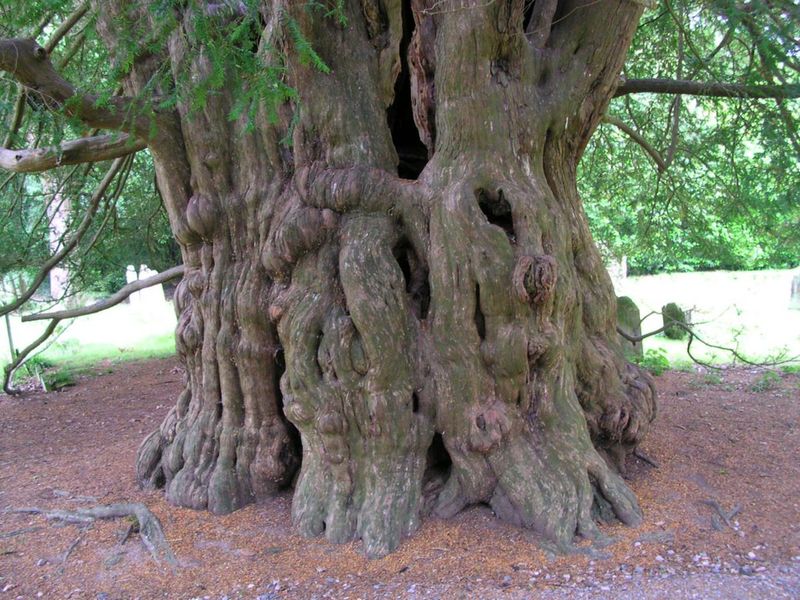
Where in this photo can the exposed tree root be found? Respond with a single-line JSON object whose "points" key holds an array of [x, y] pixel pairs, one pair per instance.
{"points": [[149, 526]]}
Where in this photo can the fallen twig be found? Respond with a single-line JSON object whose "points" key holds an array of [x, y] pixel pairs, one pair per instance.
{"points": [[16, 532], [726, 517], [69, 496], [149, 526], [72, 547], [642, 456], [127, 534]]}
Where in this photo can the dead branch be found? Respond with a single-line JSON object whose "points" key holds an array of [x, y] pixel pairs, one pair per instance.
{"points": [[693, 336], [726, 517], [642, 456], [69, 550], [639, 338], [150, 529], [83, 150], [16, 532], [129, 531]]}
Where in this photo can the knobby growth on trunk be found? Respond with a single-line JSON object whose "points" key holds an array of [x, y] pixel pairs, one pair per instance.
{"points": [[401, 311]]}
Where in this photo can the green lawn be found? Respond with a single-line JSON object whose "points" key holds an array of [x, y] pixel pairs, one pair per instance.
{"points": [[125, 332], [748, 310]]}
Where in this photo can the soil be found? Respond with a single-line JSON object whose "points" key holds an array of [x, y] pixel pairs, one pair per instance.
{"points": [[726, 443]]}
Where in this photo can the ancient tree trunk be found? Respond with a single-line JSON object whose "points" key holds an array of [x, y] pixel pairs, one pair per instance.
{"points": [[405, 302]]}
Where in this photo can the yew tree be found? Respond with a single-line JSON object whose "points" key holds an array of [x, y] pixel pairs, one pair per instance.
{"points": [[391, 299]]}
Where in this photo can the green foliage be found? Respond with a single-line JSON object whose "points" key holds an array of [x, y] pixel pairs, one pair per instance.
{"points": [[43, 372], [769, 380], [58, 379], [728, 199], [712, 379], [655, 360], [131, 227]]}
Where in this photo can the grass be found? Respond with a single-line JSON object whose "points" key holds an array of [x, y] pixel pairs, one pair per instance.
{"points": [[747, 310], [79, 358], [123, 333]]}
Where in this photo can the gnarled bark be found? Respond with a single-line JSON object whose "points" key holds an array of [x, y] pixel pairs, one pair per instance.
{"points": [[413, 344]]}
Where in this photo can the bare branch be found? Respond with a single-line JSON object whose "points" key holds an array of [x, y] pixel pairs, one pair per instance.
{"points": [[66, 26], [112, 300], [94, 204], [639, 338], [693, 336], [83, 150], [639, 139], [701, 88], [8, 370]]}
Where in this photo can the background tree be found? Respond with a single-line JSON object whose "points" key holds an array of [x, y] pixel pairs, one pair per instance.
{"points": [[711, 183], [389, 277]]}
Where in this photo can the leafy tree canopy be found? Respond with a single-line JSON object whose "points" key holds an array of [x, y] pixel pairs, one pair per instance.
{"points": [[672, 181], [718, 188]]}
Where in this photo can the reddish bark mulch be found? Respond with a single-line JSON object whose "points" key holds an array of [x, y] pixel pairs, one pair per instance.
{"points": [[732, 444]]}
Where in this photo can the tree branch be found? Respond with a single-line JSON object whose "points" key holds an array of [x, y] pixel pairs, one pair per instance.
{"points": [[30, 64], [112, 300], [16, 120], [701, 88], [639, 139], [8, 370], [693, 336], [83, 150], [66, 26], [94, 204], [538, 29]]}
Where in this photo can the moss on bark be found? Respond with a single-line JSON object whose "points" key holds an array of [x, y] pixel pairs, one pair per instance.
{"points": [[415, 344]]}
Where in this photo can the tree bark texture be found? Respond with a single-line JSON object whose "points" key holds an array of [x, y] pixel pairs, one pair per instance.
{"points": [[395, 346]]}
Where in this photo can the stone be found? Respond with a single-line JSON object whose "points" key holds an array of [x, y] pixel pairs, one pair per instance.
{"points": [[794, 298], [629, 320], [674, 321]]}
